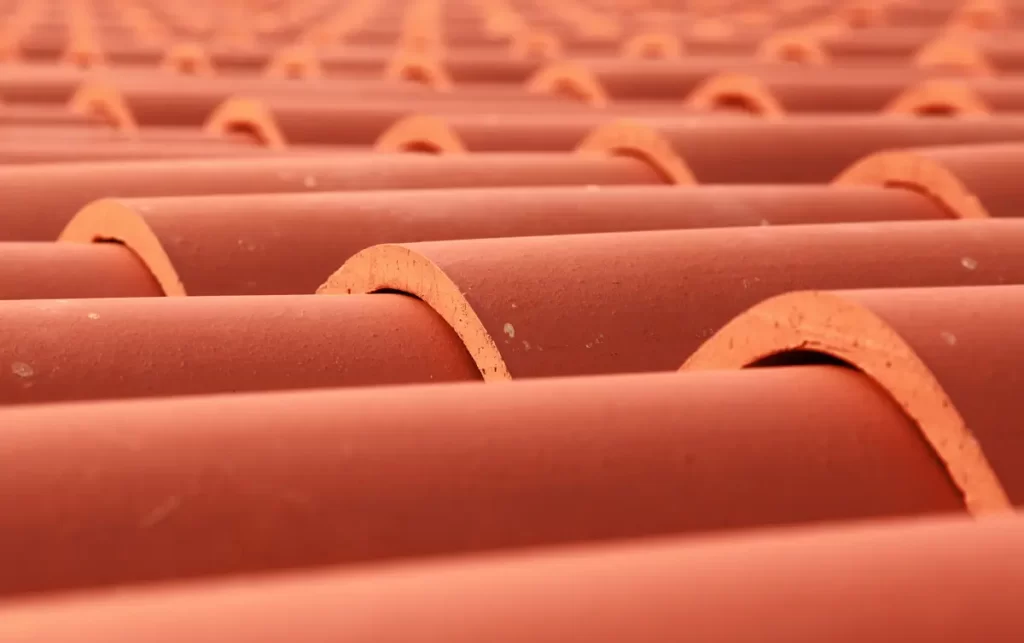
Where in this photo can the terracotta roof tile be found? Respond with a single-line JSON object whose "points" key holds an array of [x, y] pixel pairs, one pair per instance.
{"points": [[748, 150], [152, 346], [916, 344], [39, 212], [643, 301], [878, 582], [557, 461]]}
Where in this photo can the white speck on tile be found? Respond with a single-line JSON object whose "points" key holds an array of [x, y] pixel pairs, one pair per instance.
{"points": [[160, 512], [93, 315], [969, 263], [526, 344], [948, 337], [509, 330], [21, 369]]}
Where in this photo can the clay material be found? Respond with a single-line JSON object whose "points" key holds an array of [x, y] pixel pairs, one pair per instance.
{"points": [[653, 45], [981, 15], [954, 54], [283, 122], [535, 44], [974, 96], [419, 68], [463, 133], [307, 62], [43, 115], [883, 582], [601, 81], [975, 54], [968, 181], [483, 65], [946, 355], [21, 83], [643, 301], [890, 47], [148, 101], [557, 461], [24, 150], [52, 271], [739, 150], [796, 91], [37, 212], [155, 346], [290, 243], [188, 58], [298, 61], [794, 47]]}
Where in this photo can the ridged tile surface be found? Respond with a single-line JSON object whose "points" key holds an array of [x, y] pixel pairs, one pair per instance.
{"points": [[511, 321]]}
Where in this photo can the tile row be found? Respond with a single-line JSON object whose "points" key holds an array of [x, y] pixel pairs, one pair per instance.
{"points": [[865, 404]]}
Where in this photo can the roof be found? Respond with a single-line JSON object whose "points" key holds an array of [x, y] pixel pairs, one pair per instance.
{"points": [[510, 320]]}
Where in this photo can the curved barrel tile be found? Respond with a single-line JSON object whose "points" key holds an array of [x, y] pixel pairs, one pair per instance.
{"points": [[362, 475], [947, 356], [968, 181], [746, 150], [38, 212], [644, 301], [155, 346], [883, 582]]}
